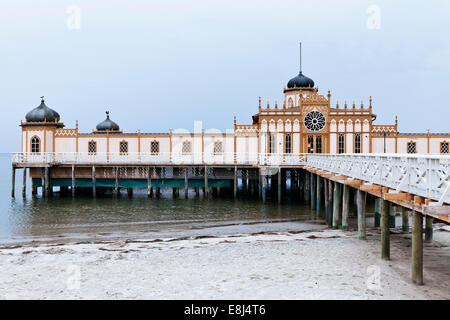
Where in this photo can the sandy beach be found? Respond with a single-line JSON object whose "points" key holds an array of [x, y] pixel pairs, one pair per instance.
{"points": [[261, 261]]}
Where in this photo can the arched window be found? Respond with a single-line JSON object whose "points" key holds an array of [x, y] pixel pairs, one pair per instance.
{"points": [[287, 143], [92, 147], [123, 147], [357, 142], [341, 143], [35, 144], [318, 144], [271, 143], [290, 103], [186, 147], [310, 144], [154, 147], [444, 147], [218, 148]]}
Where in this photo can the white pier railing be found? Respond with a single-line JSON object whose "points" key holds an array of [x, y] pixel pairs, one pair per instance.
{"points": [[423, 175], [223, 158]]}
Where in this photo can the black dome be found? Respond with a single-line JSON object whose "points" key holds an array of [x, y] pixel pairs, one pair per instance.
{"points": [[42, 113], [107, 124], [300, 81]]}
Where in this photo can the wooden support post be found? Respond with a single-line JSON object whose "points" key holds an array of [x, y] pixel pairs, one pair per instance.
{"points": [[385, 245], [47, 182], [13, 182], [405, 219], [264, 188], [361, 208], [235, 182], [205, 193], [259, 184], [428, 229], [391, 215], [417, 249], [377, 216], [325, 189], [186, 190], [43, 182], [73, 181], [149, 182], [345, 207], [318, 195], [24, 182], [94, 187], [306, 187], [313, 192], [330, 203], [279, 185], [336, 204], [116, 186]]}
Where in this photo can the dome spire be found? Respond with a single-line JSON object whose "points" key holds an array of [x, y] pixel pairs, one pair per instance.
{"points": [[300, 57]]}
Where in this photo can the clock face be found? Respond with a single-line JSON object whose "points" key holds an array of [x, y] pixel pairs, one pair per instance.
{"points": [[315, 121]]}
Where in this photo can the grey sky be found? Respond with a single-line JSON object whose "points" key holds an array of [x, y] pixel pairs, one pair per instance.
{"points": [[158, 65]]}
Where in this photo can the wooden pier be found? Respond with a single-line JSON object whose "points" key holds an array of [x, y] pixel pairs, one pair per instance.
{"points": [[409, 184]]}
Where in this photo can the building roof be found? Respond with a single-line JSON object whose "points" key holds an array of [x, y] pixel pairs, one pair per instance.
{"points": [[300, 81], [107, 124], [42, 113]]}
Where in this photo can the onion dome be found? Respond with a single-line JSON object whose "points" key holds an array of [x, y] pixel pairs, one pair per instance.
{"points": [[300, 81], [107, 124], [42, 113]]}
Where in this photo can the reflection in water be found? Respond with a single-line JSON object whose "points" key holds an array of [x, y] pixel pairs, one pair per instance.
{"points": [[64, 215]]}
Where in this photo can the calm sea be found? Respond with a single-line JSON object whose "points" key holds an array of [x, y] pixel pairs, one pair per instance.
{"points": [[29, 218]]}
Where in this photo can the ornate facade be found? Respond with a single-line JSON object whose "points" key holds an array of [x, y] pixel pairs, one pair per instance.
{"points": [[305, 123]]}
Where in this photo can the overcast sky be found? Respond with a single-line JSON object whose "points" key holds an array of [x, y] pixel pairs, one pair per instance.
{"points": [[158, 65]]}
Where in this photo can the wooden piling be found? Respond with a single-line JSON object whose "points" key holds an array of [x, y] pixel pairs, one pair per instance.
{"points": [[361, 208], [385, 245], [307, 187], [345, 207], [318, 195], [392, 211], [325, 189], [428, 229], [377, 216], [43, 182], [264, 188], [417, 249], [312, 192], [405, 219], [73, 181], [186, 190], [279, 185], [149, 182], [13, 182], [330, 203], [235, 182], [336, 205], [24, 182], [94, 187], [116, 185], [47, 182], [206, 191]]}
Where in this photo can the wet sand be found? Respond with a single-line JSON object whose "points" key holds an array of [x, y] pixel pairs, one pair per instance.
{"points": [[285, 260]]}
